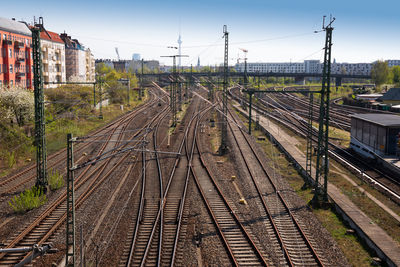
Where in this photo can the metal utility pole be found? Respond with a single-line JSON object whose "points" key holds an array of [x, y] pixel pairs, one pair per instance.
{"points": [[224, 132], [101, 99], [322, 165], [94, 93], [210, 88], [127, 82], [191, 78], [245, 78], [179, 86], [40, 128], [70, 230], [309, 141], [141, 83], [250, 92], [174, 85]]}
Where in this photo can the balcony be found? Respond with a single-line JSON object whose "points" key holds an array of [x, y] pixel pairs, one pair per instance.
{"points": [[7, 42], [19, 45], [19, 60], [20, 74]]}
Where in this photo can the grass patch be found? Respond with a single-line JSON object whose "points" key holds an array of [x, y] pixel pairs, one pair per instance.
{"points": [[337, 133], [28, 200], [56, 180]]}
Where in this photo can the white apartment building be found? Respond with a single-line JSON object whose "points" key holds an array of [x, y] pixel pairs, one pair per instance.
{"points": [[393, 62], [53, 59], [272, 67], [312, 66], [351, 68]]}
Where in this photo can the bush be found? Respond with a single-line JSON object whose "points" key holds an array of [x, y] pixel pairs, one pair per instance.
{"points": [[17, 104], [117, 92], [28, 200], [56, 180], [69, 98], [11, 160]]}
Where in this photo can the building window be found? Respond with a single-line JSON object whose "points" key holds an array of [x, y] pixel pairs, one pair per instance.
{"points": [[11, 82], [10, 55], [11, 68]]}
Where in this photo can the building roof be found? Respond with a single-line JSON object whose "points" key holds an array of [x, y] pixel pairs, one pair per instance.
{"points": [[71, 43], [392, 94], [386, 120], [14, 26], [51, 36]]}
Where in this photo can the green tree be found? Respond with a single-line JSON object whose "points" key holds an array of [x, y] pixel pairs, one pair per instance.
{"points": [[102, 68], [396, 74], [380, 72]]}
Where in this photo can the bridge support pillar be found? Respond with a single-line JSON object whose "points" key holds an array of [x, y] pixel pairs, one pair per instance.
{"points": [[300, 80], [338, 81]]}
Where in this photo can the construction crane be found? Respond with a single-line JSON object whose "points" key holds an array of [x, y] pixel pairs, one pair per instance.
{"points": [[116, 50]]}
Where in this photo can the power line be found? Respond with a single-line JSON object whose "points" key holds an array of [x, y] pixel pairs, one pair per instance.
{"points": [[200, 46]]}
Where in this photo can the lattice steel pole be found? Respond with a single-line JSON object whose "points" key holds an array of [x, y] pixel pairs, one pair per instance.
{"points": [[70, 230], [309, 141], [224, 132], [40, 128], [322, 165], [210, 87], [94, 94], [191, 79], [141, 83], [250, 107], [174, 85]]}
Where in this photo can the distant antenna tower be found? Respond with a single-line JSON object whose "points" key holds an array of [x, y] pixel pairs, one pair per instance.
{"points": [[116, 50], [179, 45]]}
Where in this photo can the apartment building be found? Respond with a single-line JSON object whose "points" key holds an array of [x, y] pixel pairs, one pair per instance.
{"points": [[351, 68], [90, 66], [393, 62], [284, 67], [15, 54], [53, 59], [75, 59], [312, 66]]}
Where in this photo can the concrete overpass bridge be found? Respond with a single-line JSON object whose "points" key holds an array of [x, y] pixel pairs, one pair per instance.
{"points": [[299, 77]]}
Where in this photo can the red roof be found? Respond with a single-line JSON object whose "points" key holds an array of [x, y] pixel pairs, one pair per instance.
{"points": [[54, 37]]}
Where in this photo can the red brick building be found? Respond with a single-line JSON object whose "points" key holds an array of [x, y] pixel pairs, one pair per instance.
{"points": [[15, 54]]}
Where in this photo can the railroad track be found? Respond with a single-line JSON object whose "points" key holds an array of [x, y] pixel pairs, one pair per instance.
{"points": [[385, 183], [45, 225], [155, 238], [10, 184], [294, 246], [237, 240], [149, 205]]}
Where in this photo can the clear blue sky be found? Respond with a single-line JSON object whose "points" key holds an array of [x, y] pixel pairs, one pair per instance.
{"points": [[272, 31]]}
